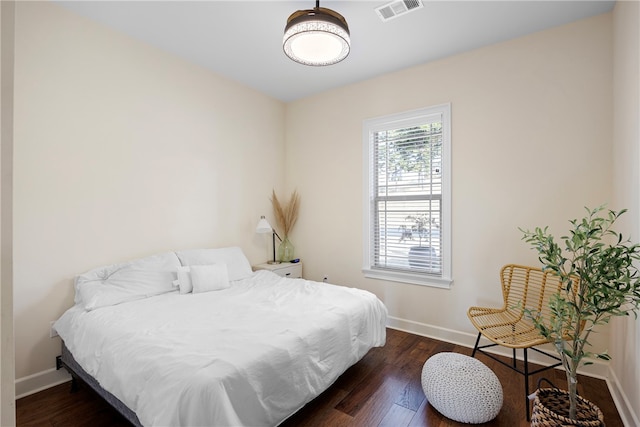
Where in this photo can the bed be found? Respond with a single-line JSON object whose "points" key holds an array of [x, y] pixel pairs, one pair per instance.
{"points": [[197, 338]]}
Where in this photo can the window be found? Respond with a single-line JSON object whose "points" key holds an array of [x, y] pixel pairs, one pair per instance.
{"points": [[407, 197]]}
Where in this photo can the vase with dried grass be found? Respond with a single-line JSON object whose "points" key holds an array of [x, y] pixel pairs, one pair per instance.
{"points": [[286, 216]]}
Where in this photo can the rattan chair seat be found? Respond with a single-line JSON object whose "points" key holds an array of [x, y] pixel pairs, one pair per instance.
{"points": [[505, 327]]}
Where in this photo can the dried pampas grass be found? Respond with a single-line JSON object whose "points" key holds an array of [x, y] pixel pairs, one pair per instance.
{"points": [[286, 215]]}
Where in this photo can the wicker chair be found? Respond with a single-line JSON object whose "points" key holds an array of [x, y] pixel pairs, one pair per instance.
{"points": [[522, 288]]}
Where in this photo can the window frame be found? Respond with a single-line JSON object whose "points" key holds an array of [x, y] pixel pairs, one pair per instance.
{"points": [[390, 122]]}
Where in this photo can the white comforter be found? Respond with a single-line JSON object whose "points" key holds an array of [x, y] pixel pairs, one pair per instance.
{"points": [[250, 355]]}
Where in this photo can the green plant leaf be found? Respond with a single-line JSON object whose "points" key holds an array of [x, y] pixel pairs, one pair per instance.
{"points": [[597, 268]]}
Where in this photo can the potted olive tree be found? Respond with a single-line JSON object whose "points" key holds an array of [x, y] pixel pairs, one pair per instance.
{"points": [[599, 274]]}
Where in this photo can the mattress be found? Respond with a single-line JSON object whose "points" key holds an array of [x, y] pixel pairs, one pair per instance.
{"points": [[251, 354]]}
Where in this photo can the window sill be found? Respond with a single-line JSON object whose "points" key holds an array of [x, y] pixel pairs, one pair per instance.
{"points": [[404, 277]]}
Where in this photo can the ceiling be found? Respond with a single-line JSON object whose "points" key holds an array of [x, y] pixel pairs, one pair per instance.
{"points": [[242, 40]]}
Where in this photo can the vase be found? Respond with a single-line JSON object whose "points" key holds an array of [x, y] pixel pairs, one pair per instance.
{"points": [[551, 408], [285, 250]]}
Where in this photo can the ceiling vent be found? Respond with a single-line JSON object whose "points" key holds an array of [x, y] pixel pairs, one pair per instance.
{"points": [[397, 8]]}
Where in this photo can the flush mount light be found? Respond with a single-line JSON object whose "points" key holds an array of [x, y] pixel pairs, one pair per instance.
{"points": [[317, 36]]}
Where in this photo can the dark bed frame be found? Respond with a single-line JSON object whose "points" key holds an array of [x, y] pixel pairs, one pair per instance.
{"points": [[68, 362]]}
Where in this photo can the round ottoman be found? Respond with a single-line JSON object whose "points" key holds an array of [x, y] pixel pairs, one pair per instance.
{"points": [[461, 388]]}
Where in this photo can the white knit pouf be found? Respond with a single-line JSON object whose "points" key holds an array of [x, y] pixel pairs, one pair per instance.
{"points": [[461, 388]]}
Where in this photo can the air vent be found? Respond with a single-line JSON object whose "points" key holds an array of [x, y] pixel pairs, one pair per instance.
{"points": [[397, 8]]}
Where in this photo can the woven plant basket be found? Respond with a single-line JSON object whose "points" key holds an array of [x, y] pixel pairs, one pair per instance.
{"points": [[551, 409]]}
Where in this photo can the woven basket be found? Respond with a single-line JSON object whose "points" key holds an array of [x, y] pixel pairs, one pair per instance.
{"points": [[551, 409]]}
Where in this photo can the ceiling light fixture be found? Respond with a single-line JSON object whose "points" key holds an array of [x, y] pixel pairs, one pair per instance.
{"points": [[317, 36]]}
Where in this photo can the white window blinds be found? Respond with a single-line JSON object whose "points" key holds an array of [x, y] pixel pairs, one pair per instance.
{"points": [[407, 194]]}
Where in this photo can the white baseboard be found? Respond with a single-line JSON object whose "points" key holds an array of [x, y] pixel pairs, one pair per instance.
{"points": [[31, 384], [627, 414], [599, 369]]}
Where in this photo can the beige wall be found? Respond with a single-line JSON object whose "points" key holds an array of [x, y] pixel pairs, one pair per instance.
{"points": [[7, 388], [123, 151], [531, 146], [625, 332]]}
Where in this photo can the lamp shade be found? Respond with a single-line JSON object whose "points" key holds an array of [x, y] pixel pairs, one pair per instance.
{"points": [[264, 226], [318, 37]]}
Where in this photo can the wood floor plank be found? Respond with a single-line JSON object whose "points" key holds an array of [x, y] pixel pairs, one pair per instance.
{"points": [[398, 416], [367, 389], [321, 412], [383, 389], [370, 363], [376, 408], [400, 351], [412, 395]]}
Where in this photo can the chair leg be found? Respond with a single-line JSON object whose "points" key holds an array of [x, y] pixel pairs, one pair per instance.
{"points": [[525, 371], [513, 331], [526, 384], [475, 347]]}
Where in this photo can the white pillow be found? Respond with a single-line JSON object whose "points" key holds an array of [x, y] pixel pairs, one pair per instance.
{"points": [[167, 261], [184, 280], [206, 278], [126, 284], [237, 263]]}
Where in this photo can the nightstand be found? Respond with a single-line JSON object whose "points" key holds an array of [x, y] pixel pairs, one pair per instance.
{"points": [[284, 269]]}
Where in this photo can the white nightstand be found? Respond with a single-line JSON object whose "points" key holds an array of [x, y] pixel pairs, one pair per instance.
{"points": [[284, 269]]}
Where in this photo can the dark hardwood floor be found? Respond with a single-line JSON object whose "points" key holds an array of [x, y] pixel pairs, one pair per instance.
{"points": [[383, 389]]}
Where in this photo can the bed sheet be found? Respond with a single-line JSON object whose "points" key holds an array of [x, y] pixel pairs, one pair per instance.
{"points": [[248, 355]]}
